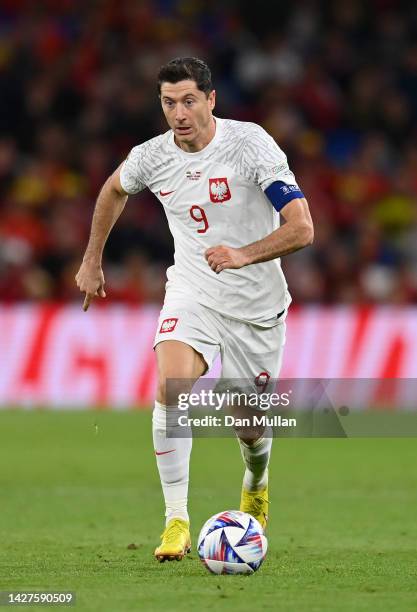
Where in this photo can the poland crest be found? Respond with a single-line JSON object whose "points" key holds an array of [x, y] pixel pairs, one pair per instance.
{"points": [[219, 190]]}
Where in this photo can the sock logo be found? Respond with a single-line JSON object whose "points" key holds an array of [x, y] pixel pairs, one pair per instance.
{"points": [[168, 325], [164, 452]]}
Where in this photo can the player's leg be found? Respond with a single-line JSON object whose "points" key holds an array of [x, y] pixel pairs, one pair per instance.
{"points": [[184, 349], [253, 354], [176, 360]]}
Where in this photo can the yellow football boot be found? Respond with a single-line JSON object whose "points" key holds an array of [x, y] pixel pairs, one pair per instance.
{"points": [[176, 541], [256, 504]]}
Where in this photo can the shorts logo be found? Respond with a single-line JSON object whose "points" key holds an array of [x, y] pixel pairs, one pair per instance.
{"points": [[262, 380], [168, 325], [219, 190]]}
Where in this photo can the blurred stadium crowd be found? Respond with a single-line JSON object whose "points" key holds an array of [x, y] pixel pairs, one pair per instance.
{"points": [[334, 83]]}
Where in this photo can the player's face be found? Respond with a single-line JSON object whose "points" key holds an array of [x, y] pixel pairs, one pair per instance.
{"points": [[189, 114]]}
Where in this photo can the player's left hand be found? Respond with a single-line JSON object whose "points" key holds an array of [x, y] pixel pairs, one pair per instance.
{"points": [[222, 258]]}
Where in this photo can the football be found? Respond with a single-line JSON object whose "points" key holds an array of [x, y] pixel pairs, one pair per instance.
{"points": [[232, 542]]}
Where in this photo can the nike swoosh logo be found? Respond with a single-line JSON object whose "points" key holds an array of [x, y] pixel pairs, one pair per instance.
{"points": [[165, 193], [164, 452]]}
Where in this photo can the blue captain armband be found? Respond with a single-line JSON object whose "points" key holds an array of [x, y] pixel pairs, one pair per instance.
{"points": [[279, 194]]}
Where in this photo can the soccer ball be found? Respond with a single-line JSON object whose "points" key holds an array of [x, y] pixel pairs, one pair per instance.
{"points": [[232, 542]]}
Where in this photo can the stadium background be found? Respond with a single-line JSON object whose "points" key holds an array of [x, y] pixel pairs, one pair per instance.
{"points": [[335, 84]]}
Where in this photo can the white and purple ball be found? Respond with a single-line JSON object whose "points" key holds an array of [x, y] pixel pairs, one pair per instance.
{"points": [[232, 542]]}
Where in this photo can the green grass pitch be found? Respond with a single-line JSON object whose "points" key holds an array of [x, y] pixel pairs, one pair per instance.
{"points": [[342, 532]]}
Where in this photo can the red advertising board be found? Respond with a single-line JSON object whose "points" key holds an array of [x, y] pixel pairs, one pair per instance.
{"points": [[60, 357]]}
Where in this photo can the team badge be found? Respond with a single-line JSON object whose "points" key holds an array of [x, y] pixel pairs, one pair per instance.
{"points": [[219, 190], [168, 325]]}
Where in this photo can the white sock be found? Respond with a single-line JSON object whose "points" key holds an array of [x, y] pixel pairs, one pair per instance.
{"points": [[174, 460], [256, 458]]}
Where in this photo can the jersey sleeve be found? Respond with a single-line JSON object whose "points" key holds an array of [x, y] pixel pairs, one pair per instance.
{"points": [[268, 163], [132, 175]]}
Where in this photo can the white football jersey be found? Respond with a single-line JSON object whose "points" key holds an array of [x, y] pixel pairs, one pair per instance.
{"points": [[216, 196]]}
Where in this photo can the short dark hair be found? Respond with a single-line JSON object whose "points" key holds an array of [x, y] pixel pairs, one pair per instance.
{"points": [[184, 69]]}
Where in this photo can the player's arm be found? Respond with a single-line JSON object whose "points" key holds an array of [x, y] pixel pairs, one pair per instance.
{"points": [[295, 234], [110, 203]]}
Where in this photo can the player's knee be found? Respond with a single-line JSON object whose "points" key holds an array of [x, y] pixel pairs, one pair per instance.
{"points": [[179, 366], [249, 436], [164, 392], [171, 387], [248, 431], [161, 391], [247, 426]]}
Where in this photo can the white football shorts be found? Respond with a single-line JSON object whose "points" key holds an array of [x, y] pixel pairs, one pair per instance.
{"points": [[247, 351]]}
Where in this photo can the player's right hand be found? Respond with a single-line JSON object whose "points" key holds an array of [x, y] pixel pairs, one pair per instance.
{"points": [[90, 280]]}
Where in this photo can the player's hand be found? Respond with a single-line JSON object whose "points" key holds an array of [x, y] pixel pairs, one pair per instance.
{"points": [[90, 280], [222, 258]]}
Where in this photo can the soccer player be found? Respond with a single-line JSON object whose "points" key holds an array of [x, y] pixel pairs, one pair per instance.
{"points": [[223, 185]]}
